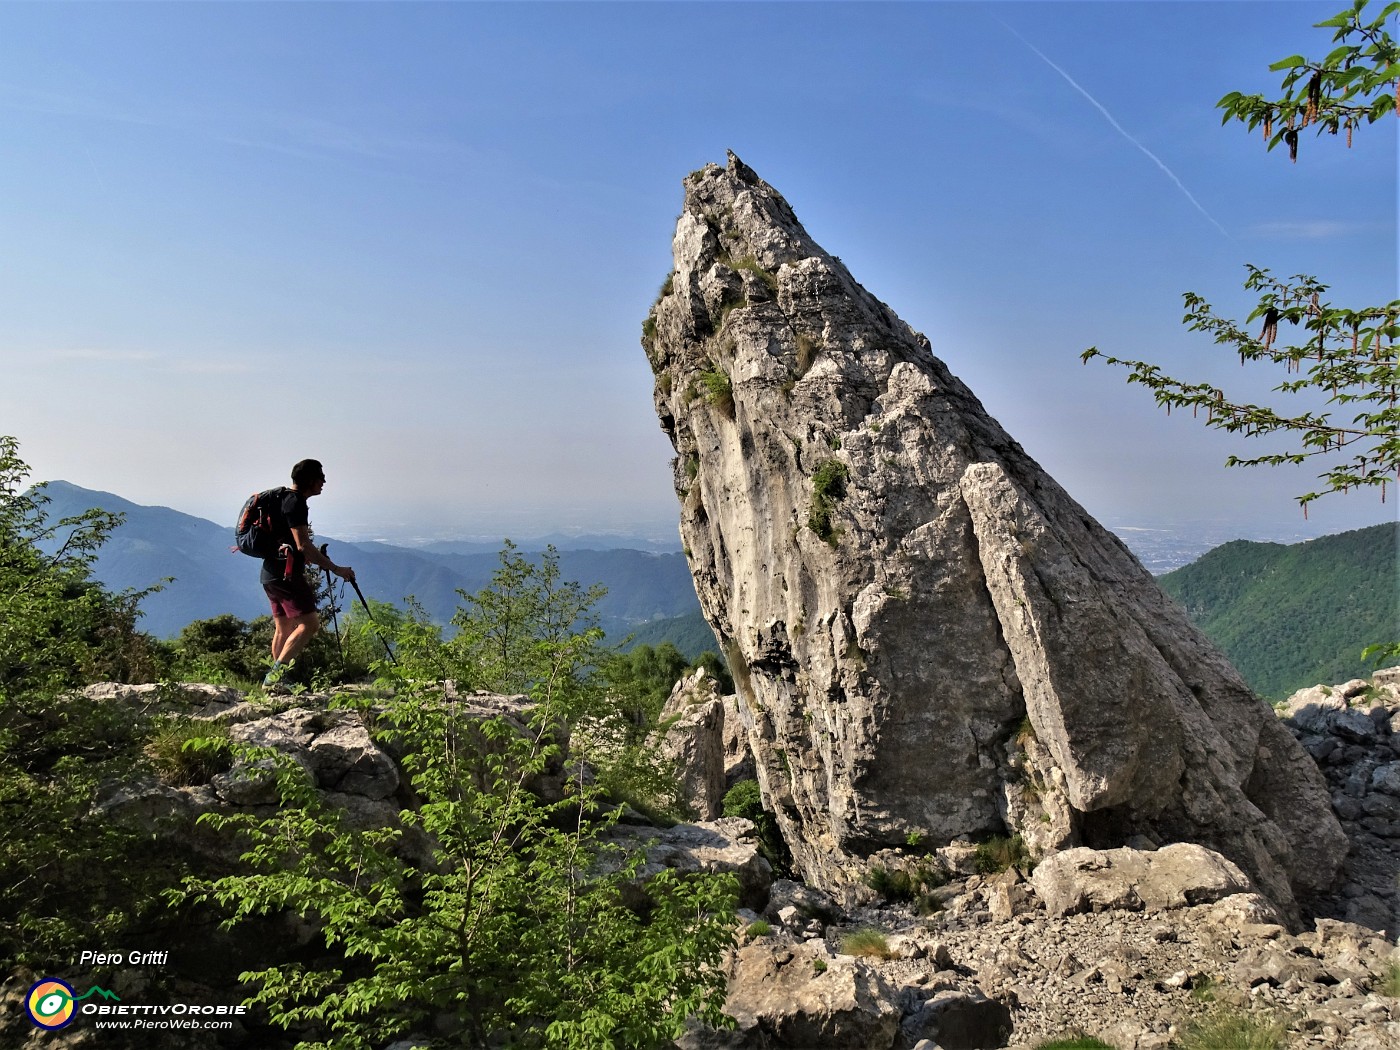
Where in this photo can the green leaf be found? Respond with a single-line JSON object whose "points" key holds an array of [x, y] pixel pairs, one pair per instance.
{"points": [[1292, 62], [1335, 57]]}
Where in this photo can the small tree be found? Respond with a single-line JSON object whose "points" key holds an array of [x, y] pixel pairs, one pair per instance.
{"points": [[641, 681], [1348, 354], [49, 606], [58, 626], [517, 927]]}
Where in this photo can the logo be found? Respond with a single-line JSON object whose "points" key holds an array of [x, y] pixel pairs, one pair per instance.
{"points": [[51, 1003]]}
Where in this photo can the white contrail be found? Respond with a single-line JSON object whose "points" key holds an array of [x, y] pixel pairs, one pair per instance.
{"points": [[1118, 127]]}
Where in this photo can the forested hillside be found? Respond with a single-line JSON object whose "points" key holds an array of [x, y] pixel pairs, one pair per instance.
{"points": [[1290, 616], [691, 634]]}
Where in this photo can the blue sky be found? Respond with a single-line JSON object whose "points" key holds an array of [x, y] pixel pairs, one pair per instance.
{"points": [[417, 241]]}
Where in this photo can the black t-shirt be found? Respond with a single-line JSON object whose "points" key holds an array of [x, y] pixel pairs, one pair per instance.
{"points": [[295, 514]]}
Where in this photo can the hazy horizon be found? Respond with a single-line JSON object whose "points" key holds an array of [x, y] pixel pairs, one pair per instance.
{"points": [[1194, 533]]}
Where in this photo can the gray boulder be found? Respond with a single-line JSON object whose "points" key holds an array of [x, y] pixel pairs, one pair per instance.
{"points": [[786, 995], [1176, 876], [961, 1021], [726, 845], [333, 746]]}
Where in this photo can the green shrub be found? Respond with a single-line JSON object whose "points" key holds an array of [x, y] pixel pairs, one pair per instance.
{"points": [[1228, 1028], [807, 350], [1390, 983], [1001, 853], [719, 390], [1075, 1042], [188, 751], [908, 885], [226, 650], [868, 942], [745, 799], [59, 630], [758, 929], [828, 489], [524, 896]]}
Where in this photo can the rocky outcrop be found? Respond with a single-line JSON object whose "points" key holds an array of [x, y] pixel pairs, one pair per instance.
{"points": [[802, 995], [930, 639], [1128, 945], [728, 845], [366, 782], [693, 740], [1352, 731]]}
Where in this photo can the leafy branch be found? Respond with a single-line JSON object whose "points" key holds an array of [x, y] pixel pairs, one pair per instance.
{"points": [[1359, 80], [1348, 354]]}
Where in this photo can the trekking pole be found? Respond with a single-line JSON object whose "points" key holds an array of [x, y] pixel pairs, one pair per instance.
{"points": [[368, 612], [330, 591]]}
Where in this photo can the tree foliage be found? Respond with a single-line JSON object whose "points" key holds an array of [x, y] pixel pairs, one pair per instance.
{"points": [[1358, 81], [497, 910], [56, 622], [641, 681], [1346, 355], [59, 629]]}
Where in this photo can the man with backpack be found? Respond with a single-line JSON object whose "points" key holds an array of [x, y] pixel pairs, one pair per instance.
{"points": [[278, 528]]}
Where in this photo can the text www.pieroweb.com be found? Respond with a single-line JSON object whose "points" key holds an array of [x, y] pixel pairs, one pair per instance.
{"points": [[181, 1016]]}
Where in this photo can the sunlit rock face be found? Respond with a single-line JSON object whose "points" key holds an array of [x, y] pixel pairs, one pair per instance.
{"points": [[931, 640]]}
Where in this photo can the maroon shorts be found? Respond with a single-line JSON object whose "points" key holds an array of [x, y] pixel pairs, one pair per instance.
{"points": [[291, 599]]}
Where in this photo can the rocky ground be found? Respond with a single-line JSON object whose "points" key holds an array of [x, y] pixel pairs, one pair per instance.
{"points": [[1129, 946], [964, 978]]}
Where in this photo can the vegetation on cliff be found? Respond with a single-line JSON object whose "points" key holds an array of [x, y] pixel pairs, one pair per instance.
{"points": [[519, 924]]}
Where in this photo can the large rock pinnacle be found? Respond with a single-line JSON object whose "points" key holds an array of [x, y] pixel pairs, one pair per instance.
{"points": [[931, 640]]}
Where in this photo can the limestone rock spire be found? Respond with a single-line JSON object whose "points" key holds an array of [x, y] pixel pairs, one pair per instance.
{"points": [[932, 641]]}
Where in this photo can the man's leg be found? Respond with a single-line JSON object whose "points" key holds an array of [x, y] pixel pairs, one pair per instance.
{"points": [[279, 636], [297, 632]]}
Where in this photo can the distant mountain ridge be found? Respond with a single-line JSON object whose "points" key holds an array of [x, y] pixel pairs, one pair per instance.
{"points": [[1287, 615], [157, 542], [1290, 616]]}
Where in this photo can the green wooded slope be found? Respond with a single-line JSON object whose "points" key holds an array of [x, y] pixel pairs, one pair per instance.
{"points": [[1291, 616]]}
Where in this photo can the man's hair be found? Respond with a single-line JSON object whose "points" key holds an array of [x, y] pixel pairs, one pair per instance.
{"points": [[307, 472]]}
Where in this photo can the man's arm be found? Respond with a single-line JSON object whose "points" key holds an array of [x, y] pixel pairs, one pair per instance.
{"points": [[309, 551]]}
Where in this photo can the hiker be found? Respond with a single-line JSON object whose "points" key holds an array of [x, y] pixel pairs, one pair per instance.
{"points": [[294, 617]]}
